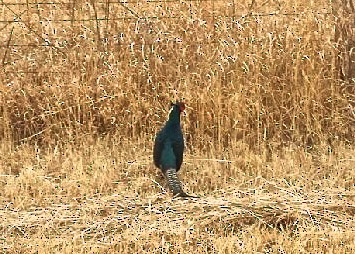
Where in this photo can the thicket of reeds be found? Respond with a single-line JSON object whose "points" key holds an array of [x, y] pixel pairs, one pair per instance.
{"points": [[269, 127]]}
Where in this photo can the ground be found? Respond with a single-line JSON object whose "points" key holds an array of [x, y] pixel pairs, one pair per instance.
{"points": [[102, 198]]}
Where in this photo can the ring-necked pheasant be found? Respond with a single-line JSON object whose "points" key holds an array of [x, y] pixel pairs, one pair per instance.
{"points": [[169, 148]]}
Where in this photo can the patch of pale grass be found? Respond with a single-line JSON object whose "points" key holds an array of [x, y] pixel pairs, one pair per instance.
{"points": [[104, 198]]}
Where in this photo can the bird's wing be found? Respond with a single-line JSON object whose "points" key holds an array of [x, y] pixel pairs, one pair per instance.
{"points": [[157, 150], [178, 148]]}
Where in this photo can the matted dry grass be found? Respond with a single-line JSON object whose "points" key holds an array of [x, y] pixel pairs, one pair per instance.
{"points": [[269, 128], [102, 198]]}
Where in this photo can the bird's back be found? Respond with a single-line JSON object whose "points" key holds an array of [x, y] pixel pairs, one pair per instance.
{"points": [[169, 148]]}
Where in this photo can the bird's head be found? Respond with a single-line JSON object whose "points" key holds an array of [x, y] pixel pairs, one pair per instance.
{"points": [[177, 108], [178, 105]]}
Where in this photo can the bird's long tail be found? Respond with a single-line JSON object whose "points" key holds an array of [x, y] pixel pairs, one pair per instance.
{"points": [[174, 183]]}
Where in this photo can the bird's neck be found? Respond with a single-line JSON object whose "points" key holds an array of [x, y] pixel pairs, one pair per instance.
{"points": [[174, 117]]}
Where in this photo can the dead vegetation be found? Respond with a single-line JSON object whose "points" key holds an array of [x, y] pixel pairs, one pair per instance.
{"points": [[269, 128], [103, 198]]}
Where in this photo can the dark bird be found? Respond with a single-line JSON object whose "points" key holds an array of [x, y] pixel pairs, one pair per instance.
{"points": [[169, 148]]}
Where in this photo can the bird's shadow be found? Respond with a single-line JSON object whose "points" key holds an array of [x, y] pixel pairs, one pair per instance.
{"points": [[184, 196]]}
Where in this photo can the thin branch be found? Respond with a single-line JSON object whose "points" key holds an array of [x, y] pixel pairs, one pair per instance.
{"points": [[7, 47]]}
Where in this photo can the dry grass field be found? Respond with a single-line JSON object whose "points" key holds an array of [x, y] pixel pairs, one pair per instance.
{"points": [[269, 128]]}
